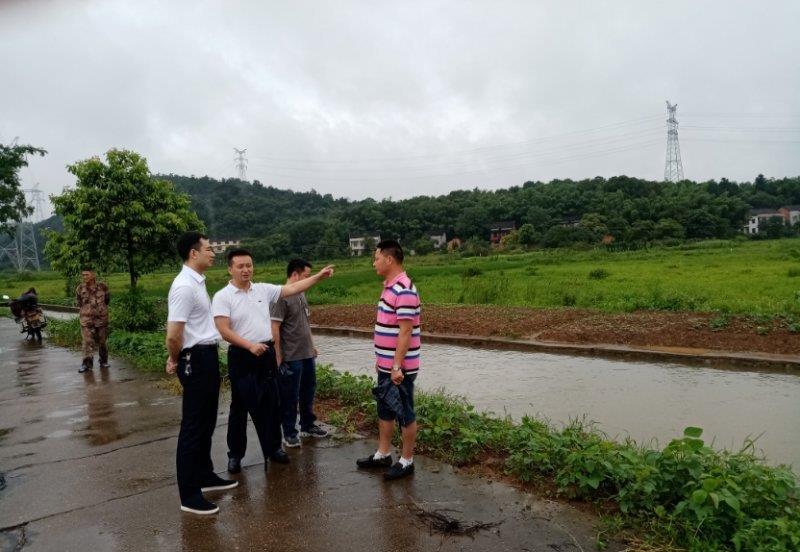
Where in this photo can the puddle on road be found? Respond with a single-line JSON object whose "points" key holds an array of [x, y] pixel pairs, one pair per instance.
{"points": [[650, 402], [66, 413], [59, 434]]}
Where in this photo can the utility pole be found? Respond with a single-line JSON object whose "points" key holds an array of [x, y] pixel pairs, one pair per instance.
{"points": [[673, 168], [241, 163]]}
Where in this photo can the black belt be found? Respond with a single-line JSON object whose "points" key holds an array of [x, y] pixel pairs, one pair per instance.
{"points": [[199, 347], [270, 344]]}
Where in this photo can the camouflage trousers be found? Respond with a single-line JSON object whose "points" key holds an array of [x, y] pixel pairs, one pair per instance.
{"points": [[94, 339]]}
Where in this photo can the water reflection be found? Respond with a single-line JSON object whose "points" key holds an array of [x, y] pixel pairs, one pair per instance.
{"points": [[102, 427], [650, 402]]}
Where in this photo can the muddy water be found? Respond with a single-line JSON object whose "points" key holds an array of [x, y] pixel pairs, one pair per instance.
{"points": [[650, 402]]}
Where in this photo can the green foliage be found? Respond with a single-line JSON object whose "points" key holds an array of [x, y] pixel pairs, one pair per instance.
{"points": [[527, 234], [598, 274], [118, 217], [134, 312], [66, 333], [12, 199], [769, 535], [720, 322]]}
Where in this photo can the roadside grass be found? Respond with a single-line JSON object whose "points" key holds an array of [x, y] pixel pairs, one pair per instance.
{"points": [[733, 277], [684, 496]]}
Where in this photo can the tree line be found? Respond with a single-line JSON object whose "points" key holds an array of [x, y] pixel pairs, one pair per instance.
{"points": [[621, 210], [121, 217]]}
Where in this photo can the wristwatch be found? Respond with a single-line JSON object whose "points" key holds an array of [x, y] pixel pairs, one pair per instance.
{"points": [[395, 368]]}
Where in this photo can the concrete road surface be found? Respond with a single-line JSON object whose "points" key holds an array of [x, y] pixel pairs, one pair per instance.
{"points": [[88, 464]]}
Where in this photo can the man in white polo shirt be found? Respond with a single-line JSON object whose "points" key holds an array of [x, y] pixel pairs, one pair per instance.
{"points": [[192, 348], [241, 314]]}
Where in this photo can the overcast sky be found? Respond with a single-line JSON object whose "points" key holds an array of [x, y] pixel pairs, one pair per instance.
{"points": [[396, 99]]}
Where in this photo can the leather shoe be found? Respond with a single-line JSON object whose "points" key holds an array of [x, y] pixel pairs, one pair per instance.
{"points": [[234, 465], [279, 456]]}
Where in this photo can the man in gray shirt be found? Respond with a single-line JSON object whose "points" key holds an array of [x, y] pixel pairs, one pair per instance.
{"points": [[296, 355]]}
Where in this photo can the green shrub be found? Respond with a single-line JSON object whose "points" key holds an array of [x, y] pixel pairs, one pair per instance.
{"points": [[66, 333], [133, 311], [598, 274], [471, 271], [769, 535]]}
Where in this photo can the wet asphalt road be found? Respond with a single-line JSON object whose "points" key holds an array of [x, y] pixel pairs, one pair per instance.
{"points": [[88, 464]]}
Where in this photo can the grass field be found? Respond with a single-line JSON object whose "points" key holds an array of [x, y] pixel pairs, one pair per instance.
{"points": [[760, 277]]}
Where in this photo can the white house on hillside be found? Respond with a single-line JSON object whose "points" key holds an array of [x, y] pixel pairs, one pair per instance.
{"points": [[358, 244]]}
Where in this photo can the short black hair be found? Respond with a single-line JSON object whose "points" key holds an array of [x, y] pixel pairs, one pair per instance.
{"points": [[391, 248], [87, 268], [188, 241], [238, 253], [296, 265]]}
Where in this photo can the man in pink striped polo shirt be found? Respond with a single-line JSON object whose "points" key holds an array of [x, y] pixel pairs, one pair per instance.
{"points": [[397, 344]]}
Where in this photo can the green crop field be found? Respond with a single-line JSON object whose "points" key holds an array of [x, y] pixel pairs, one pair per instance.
{"points": [[750, 277]]}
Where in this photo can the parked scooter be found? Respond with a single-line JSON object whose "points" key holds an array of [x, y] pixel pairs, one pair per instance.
{"points": [[29, 315]]}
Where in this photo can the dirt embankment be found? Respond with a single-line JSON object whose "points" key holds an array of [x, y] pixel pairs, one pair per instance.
{"points": [[673, 330]]}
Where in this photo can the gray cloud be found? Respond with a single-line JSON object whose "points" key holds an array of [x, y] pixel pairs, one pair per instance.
{"points": [[400, 99]]}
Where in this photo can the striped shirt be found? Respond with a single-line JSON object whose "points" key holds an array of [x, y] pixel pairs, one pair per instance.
{"points": [[399, 301]]}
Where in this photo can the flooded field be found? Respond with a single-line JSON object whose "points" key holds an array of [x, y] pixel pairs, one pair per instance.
{"points": [[650, 402]]}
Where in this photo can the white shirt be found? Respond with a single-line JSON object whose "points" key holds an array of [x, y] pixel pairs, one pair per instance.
{"points": [[189, 303], [248, 309]]}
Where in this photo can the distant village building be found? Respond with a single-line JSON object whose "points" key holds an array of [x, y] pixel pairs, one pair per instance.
{"points": [[454, 244], [789, 215], [499, 229], [439, 239], [220, 245], [358, 244]]}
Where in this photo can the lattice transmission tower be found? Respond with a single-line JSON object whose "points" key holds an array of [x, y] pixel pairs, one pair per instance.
{"points": [[673, 168], [22, 252], [241, 163]]}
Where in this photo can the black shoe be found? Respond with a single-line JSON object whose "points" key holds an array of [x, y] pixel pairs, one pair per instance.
{"points": [[279, 456], [199, 505], [234, 465], [370, 462], [216, 483], [397, 471], [84, 368], [313, 431]]}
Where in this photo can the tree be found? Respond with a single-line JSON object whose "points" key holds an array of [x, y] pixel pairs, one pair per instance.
{"points": [[667, 229], [423, 246], [12, 198], [527, 235], [118, 217]]}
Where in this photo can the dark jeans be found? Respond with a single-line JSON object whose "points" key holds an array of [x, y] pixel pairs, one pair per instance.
{"points": [[254, 390], [198, 372], [406, 398], [298, 385]]}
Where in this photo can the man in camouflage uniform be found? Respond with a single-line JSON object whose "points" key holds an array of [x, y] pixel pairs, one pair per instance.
{"points": [[92, 298]]}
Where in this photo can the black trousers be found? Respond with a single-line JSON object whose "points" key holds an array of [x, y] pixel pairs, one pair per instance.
{"points": [[198, 372], [254, 390]]}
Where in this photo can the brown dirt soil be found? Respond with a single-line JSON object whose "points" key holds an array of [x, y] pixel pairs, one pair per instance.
{"points": [[640, 329]]}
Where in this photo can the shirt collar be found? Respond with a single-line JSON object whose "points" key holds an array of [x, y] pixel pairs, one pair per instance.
{"points": [[196, 276], [235, 289], [393, 281]]}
